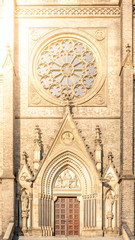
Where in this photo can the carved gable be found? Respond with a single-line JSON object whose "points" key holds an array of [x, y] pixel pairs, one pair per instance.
{"points": [[111, 173], [24, 176], [68, 138]]}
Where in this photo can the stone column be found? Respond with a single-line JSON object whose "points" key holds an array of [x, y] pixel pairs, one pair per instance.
{"points": [[127, 183], [45, 214], [8, 117]]}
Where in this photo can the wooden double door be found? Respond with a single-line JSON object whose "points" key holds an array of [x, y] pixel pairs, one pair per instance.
{"points": [[67, 216]]}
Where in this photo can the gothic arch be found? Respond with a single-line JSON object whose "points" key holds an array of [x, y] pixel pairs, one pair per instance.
{"points": [[63, 161]]}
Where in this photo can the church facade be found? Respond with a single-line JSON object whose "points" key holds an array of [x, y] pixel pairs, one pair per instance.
{"points": [[67, 117]]}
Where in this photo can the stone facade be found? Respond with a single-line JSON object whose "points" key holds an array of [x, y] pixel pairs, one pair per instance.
{"points": [[67, 115]]}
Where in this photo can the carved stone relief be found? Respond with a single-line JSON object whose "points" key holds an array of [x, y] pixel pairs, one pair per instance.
{"points": [[68, 11], [67, 138], [67, 180]]}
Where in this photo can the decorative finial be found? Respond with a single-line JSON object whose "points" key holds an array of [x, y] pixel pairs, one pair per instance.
{"points": [[37, 140], [98, 136], [127, 63], [24, 157], [110, 157], [128, 48], [98, 149]]}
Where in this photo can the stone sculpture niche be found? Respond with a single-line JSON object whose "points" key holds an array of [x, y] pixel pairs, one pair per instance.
{"points": [[109, 208], [25, 209]]}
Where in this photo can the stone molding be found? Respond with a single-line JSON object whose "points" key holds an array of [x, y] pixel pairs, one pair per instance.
{"points": [[72, 11]]}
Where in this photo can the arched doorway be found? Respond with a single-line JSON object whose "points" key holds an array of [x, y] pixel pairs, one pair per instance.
{"points": [[67, 188], [69, 201]]}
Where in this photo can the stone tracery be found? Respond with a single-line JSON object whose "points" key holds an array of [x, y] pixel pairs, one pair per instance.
{"points": [[66, 68]]}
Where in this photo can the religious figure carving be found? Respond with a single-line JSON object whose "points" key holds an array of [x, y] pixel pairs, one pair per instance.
{"points": [[25, 210], [109, 208], [67, 179], [25, 201], [67, 137]]}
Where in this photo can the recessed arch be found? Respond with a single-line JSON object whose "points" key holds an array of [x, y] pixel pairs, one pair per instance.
{"points": [[68, 160]]}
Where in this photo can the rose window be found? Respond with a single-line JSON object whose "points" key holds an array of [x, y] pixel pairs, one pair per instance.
{"points": [[67, 69]]}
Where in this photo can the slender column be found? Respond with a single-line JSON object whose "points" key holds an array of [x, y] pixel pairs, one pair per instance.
{"points": [[8, 117], [115, 213], [127, 184], [46, 209], [91, 213], [30, 199]]}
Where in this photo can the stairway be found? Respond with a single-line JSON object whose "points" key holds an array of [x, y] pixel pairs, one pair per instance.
{"points": [[66, 238]]}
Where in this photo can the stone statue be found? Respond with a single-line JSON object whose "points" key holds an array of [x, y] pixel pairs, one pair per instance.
{"points": [[25, 201], [110, 202], [109, 208]]}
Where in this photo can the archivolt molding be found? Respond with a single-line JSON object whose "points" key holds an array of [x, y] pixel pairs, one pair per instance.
{"points": [[59, 166], [68, 163], [68, 11], [81, 37], [63, 162]]}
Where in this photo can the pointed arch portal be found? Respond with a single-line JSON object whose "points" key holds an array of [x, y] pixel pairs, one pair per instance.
{"points": [[68, 194], [68, 183]]}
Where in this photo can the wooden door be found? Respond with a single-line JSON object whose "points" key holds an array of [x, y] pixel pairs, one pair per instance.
{"points": [[67, 216]]}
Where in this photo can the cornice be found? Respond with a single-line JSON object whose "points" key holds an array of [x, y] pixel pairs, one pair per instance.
{"points": [[66, 2], [67, 11], [127, 178]]}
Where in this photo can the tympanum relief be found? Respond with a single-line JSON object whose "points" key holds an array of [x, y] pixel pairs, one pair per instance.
{"points": [[67, 180]]}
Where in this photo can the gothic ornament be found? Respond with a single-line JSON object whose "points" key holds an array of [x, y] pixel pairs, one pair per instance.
{"points": [[67, 137], [67, 180], [98, 148], [109, 208], [25, 209], [66, 69], [37, 148], [99, 35], [127, 63]]}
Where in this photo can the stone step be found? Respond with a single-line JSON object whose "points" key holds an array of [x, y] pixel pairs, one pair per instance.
{"points": [[66, 238]]}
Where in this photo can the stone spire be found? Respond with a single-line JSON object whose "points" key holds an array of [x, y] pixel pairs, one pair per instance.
{"points": [[98, 148]]}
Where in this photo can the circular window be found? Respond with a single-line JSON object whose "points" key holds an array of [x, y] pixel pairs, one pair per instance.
{"points": [[66, 69]]}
